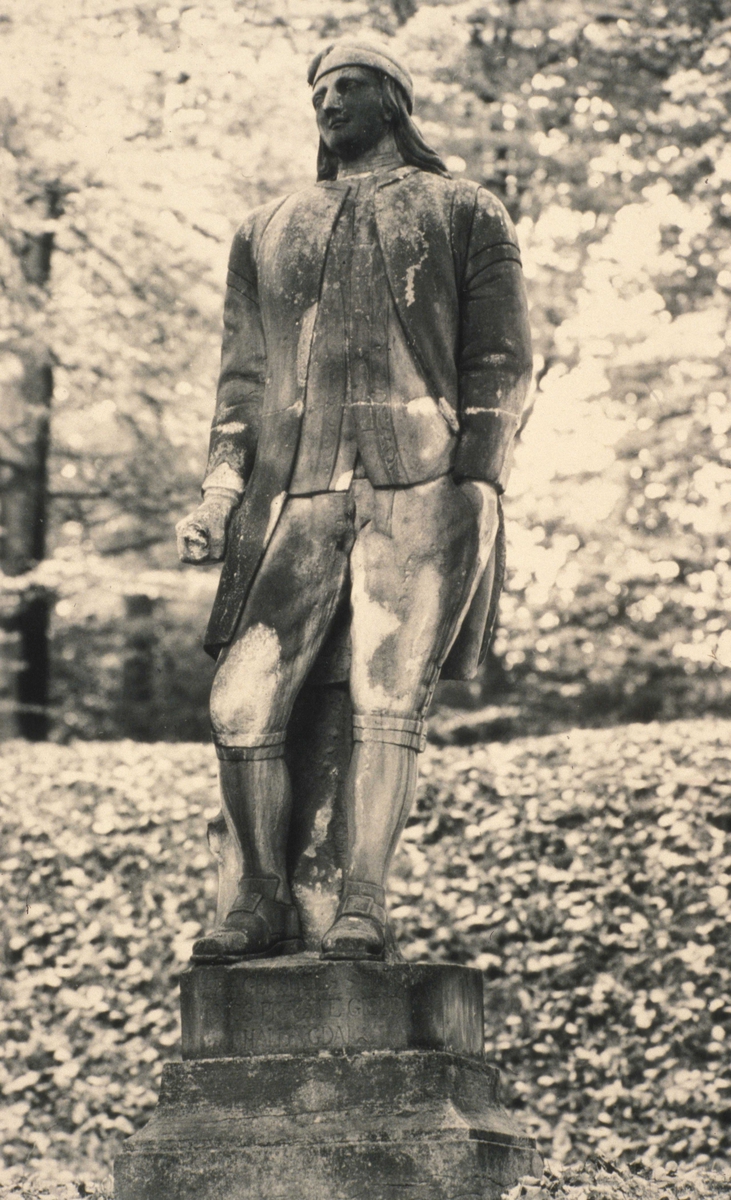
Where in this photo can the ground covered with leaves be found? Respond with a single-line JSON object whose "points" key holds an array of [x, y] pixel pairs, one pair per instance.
{"points": [[586, 873]]}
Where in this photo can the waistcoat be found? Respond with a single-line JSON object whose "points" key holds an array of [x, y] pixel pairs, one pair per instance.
{"points": [[362, 377]]}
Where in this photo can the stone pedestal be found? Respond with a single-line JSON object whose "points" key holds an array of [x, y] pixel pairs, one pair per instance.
{"points": [[309, 1080]]}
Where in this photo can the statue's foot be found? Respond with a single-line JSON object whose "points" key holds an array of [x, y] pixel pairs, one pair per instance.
{"points": [[359, 930], [258, 926]]}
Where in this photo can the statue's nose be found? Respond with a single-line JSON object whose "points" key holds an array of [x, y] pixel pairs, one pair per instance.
{"points": [[332, 103]]}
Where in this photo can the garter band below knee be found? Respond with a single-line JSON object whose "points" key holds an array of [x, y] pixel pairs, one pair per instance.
{"points": [[254, 747], [396, 731]]}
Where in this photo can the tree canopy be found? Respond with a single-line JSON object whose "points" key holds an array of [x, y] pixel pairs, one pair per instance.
{"points": [[139, 135]]}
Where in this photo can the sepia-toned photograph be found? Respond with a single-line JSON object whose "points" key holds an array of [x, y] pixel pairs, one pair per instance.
{"points": [[365, 600]]}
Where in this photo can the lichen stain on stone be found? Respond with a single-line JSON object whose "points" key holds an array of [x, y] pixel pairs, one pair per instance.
{"points": [[232, 427], [374, 621], [255, 658], [393, 648], [304, 343], [373, 624], [430, 431], [317, 907], [449, 414], [411, 276], [224, 475], [421, 406], [397, 667], [320, 827], [275, 509]]}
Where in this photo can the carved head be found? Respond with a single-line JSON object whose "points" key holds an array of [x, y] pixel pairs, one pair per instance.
{"points": [[351, 110], [360, 93]]}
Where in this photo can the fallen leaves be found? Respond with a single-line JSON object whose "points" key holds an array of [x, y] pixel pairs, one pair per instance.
{"points": [[587, 874], [105, 881], [598, 1179]]}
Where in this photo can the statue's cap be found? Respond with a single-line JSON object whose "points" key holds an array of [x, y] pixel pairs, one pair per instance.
{"points": [[349, 53]]}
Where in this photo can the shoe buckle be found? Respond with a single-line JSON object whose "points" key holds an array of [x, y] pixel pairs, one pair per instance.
{"points": [[356, 905], [251, 893], [247, 904]]}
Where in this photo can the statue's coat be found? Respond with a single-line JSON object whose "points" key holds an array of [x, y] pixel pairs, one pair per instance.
{"points": [[453, 267]]}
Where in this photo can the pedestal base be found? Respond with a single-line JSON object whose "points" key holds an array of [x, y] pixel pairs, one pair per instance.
{"points": [[426, 1125], [410, 1123]]}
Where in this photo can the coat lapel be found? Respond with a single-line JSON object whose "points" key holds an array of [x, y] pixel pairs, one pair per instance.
{"points": [[292, 250]]}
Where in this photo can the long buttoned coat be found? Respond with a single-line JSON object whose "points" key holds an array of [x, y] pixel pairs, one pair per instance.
{"points": [[453, 268]]}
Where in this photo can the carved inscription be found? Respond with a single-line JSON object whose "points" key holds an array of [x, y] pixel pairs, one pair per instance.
{"points": [[299, 1017]]}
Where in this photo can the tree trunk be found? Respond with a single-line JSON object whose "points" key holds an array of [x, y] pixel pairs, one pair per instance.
{"points": [[26, 387]]}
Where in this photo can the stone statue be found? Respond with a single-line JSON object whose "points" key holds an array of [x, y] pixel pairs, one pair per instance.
{"points": [[375, 361]]}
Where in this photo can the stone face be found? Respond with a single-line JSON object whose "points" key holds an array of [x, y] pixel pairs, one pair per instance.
{"points": [[303, 1005], [399, 1105]]}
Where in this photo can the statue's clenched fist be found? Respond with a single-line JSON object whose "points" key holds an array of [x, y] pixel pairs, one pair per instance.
{"points": [[202, 535]]}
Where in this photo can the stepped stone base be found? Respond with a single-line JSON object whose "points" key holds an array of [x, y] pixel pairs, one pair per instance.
{"points": [[421, 1120]]}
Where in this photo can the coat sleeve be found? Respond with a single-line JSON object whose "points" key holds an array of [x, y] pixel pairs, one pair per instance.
{"points": [[494, 356], [240, 393]]}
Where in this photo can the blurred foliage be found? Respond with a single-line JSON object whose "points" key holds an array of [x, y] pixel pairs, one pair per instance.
{"points": [[127, 658], [588, 875], [601, 1180], [605, 128]]}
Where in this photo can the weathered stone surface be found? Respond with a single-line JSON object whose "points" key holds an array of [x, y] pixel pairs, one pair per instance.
{"points": [[302, 1005], [426, 1125], [310, 1080], [319, 742]]}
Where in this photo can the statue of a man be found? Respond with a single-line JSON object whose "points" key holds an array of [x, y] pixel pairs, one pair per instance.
{"points": [[375, 361]]}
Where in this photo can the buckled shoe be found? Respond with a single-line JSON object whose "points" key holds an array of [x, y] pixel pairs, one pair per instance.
{"points": [[359, 929], [257, 926]]}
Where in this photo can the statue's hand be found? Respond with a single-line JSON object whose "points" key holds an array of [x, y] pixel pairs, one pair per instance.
{"points": [[202, 535]]}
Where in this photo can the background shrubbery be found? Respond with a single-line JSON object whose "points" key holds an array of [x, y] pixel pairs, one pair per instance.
{"points": [[588, 874]]}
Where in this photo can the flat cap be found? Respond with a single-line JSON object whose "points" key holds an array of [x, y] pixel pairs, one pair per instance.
{"points": [[361, 54]]}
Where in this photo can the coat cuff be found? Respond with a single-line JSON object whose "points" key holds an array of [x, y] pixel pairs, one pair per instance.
{"points": [[224, 476], [485, 446]]}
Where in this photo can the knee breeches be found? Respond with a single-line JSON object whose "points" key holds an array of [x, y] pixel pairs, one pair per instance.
{"points": [[405, 561]]}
